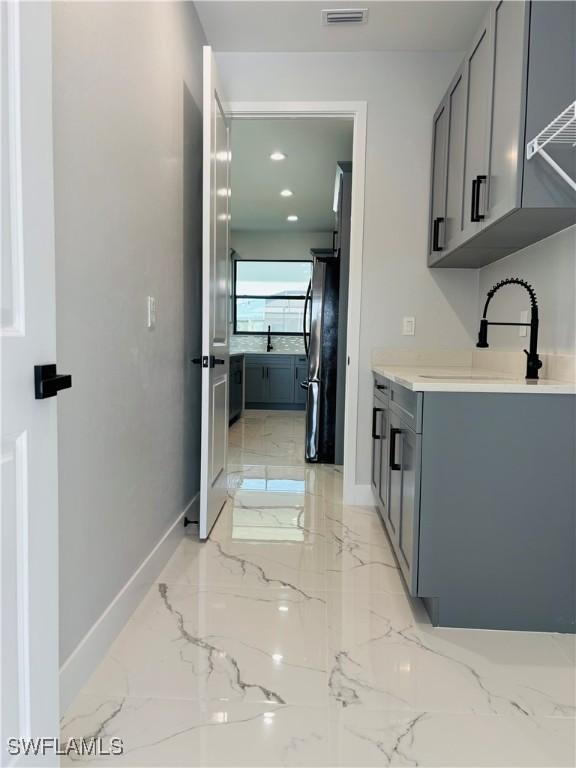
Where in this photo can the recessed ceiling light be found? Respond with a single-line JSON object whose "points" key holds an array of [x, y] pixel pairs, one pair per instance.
{"points": [[292, 217], [277, 155], [286, 193]]}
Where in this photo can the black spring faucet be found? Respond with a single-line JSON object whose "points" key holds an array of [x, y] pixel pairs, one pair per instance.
{"points": [[533, 362], [269, 346]]}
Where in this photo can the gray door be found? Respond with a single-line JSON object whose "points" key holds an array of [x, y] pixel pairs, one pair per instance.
{"points": [[280, 384], [384, 458], [438, 183], [255, 384], [409, 501], [394, 510], [300, 375], [507, 134], [376, 445], [456, 115], [479, 91]]}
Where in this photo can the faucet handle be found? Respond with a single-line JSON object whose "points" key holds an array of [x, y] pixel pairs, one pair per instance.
{"points": [[536, 363]]}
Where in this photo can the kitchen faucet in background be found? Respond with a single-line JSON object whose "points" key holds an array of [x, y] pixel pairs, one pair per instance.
{"points": [[269, 346], [533, 362]]}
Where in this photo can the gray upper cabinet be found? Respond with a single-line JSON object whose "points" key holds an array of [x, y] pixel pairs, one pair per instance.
{"points": [[456, 134], [478, 66], [438, 187], [518, 76], [508, 105]]}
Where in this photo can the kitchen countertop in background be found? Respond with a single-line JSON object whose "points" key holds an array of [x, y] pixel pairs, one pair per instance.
{"points": [[467, 379]]}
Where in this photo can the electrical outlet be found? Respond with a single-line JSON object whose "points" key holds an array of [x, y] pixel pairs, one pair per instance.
{"points": [[151, 312], [523, 330], [408, 326]]}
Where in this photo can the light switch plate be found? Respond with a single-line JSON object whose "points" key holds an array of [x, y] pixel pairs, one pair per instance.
{"points": [[523, 330], [408, 326], [151, 312]]}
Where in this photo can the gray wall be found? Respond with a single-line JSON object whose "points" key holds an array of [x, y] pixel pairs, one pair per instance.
{"points": [[550, 267], [402, 90], [127, 85]]}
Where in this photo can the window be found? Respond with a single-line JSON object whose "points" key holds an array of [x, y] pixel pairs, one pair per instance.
{"points": [[270, 293]]}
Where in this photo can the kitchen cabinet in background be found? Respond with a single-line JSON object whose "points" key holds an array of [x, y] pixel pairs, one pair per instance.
{"points": [[236, 388], [271, 381]]}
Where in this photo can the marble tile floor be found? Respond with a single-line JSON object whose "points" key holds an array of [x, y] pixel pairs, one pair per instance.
{"points": [[288, 640]]}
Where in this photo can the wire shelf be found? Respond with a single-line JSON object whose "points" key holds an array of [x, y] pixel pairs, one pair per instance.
{"points": [[562, 130]]}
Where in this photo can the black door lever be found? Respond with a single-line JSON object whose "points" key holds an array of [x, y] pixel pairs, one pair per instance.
{"points": [[216, 361], [48, 383]]}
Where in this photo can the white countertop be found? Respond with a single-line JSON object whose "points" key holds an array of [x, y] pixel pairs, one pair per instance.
{"points": [[461, 379]]}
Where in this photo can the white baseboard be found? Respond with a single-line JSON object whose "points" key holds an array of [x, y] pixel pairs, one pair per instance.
{"points": [[93, 647], [360, 496]]}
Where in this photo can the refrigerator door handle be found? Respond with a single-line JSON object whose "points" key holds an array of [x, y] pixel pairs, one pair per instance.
{"points": [[306, 305], [313, 419]]}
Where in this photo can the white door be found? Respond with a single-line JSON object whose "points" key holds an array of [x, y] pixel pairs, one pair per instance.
{"points": [[29, 516], [215, 299]]}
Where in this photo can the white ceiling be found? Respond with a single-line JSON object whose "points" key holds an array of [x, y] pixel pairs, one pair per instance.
{"points": [[276, 25], [313, 146]]}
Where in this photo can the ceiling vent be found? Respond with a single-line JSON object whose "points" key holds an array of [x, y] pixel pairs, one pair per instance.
{"points": [[345, 16]]}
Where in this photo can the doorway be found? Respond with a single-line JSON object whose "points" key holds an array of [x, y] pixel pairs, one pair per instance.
{"points": [[276, 200]]}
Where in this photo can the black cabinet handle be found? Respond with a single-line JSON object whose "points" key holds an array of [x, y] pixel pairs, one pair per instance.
{"points": [[473, 216], [48, 383], [375, 412], [479, 181], [393, 432], [435, 234]]}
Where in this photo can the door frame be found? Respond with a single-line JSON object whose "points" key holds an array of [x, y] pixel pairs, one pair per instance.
{"points": [[357, 110]]}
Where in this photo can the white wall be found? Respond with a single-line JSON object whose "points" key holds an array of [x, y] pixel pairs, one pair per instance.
{"points": [[127, 85], [550, 267], [402, 90], [281, 246]]}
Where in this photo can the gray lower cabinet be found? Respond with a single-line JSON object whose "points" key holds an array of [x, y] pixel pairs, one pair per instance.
{"points": [[280, 383], [271, 382], [480, 512], [256, 388], [300, 375], [487, 198], [236, 387]]}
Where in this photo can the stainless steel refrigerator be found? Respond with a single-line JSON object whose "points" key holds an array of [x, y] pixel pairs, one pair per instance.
{"points": [[325, 313], [321, 343]]}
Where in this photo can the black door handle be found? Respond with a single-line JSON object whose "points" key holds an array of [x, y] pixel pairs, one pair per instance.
{"points": [[216, 361], [435, 232], [48, 383], [393, 432]]}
